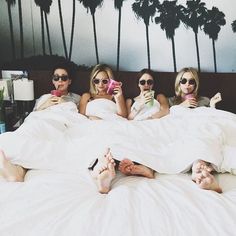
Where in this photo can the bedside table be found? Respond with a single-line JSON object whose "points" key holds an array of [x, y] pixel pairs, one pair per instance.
{"points": [[14, 114]]}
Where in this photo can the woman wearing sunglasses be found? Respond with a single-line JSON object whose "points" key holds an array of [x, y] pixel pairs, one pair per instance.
{"points": [[61, 79], [98, 103], [144, 106], [186, 90]]}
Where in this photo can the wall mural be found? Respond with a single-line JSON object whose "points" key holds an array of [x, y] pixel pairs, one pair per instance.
{"points": [[194, 15]]}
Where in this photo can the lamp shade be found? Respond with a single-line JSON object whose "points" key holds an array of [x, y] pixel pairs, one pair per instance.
{"points": [[23, 90]]}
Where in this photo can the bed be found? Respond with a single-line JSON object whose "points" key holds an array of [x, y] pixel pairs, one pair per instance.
{"points": [[59, 197]]}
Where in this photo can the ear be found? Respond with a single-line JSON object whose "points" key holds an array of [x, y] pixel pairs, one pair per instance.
{"points": [[69, 81]]}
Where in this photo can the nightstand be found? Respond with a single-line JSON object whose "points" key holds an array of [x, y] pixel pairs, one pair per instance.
{"points": [[14, 114]]}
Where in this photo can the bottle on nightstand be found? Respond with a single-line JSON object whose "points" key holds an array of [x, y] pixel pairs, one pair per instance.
{"points": [[2, 121]]}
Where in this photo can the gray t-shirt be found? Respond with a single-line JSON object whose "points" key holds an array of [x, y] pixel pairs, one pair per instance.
{"points": [[201, 101], [70, 97]]}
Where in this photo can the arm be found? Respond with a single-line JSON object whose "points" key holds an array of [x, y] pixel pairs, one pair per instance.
{"points": [[120, 102], [51, 101], [164, 107], [215, 99], [83, 103]]}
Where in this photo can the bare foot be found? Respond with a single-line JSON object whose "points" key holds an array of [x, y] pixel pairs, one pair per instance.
{"points": [[104, 172], [207, 181], [199, 166], [127, 167], [105, 178], [102, 163], [9, 171]]}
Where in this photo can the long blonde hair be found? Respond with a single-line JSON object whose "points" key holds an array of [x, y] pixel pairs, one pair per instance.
{"points": [[98, 68], [178, 91]]}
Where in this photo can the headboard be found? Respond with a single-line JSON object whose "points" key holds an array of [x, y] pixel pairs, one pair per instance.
{"points": [[210, 84]]}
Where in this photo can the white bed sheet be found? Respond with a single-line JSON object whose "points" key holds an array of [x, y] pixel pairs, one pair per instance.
{"points": [[54, 203], [59, 197]]}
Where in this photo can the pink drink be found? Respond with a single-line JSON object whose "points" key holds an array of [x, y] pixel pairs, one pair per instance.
{"points": [[112, 85], [189, 96], [56, 92]]}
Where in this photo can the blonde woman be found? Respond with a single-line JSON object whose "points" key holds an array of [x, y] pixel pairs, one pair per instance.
{"points": [[186, 91], [97, 103]]}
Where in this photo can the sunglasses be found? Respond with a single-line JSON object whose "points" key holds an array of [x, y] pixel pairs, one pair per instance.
{"points": [[191, 81], [148, 82], [97, 81], [57, 77]]}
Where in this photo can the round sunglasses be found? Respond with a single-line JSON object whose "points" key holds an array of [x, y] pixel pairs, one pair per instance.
{"points": [[97, 81], [148, 82], [191, 81], [57, 77]]}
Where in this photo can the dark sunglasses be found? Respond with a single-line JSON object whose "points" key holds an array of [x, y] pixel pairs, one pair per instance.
{"points": [[97, 81], [57, 77], [143, 82], [191, 81]]}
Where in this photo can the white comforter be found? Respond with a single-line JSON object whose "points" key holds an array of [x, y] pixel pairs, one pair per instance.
{"points": [[59, 197]]}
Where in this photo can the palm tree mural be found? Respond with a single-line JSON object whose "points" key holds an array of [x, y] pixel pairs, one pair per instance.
{"points": [[72, 29], [215, 19], [62, 29], [234, 26], [11, 3], [118, 5], [92, 5], [195, 14], [21, 30], [169, 20], [145, 9], [44, 10]]}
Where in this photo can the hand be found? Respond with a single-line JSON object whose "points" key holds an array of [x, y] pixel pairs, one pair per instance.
{"points": [[190, 103], [215, 99], [148, 96], [54, 100], [118, 91], [144, 98]]}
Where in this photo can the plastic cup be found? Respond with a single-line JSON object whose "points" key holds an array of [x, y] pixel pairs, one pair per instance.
{"points": [[189, 96], [151, 102], [56, 92], [112, 84]]}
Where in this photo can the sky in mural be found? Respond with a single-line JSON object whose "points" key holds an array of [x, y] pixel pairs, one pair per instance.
{"points": [[144, 41]]}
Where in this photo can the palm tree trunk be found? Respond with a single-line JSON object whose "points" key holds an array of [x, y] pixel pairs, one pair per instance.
{"points": [[173, 52], [21, 30], [42, 30], [48, 33], [118, 42], [95, 37], [72, 30], [11, 32], [62, 29], [148, 47], [197, 48], [214, 54]]}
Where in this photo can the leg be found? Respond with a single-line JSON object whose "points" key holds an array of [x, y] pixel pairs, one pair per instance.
{"points": [[207, 181], [128, 167], [9, 171], [104, 172]]}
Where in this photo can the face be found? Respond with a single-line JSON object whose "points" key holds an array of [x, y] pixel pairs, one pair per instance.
{"points": [[187, 83], [61, 80], [101, 81], [145, 82]]}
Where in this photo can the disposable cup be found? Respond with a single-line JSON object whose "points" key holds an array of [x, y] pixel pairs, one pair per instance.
{"points": [[151, 102], [56, 92]]}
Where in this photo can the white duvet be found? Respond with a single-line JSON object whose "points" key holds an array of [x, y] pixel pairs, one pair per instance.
{"points": [[59, 197]]}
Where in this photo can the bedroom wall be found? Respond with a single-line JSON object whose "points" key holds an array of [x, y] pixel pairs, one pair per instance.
{"points": [[133, 40]]}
